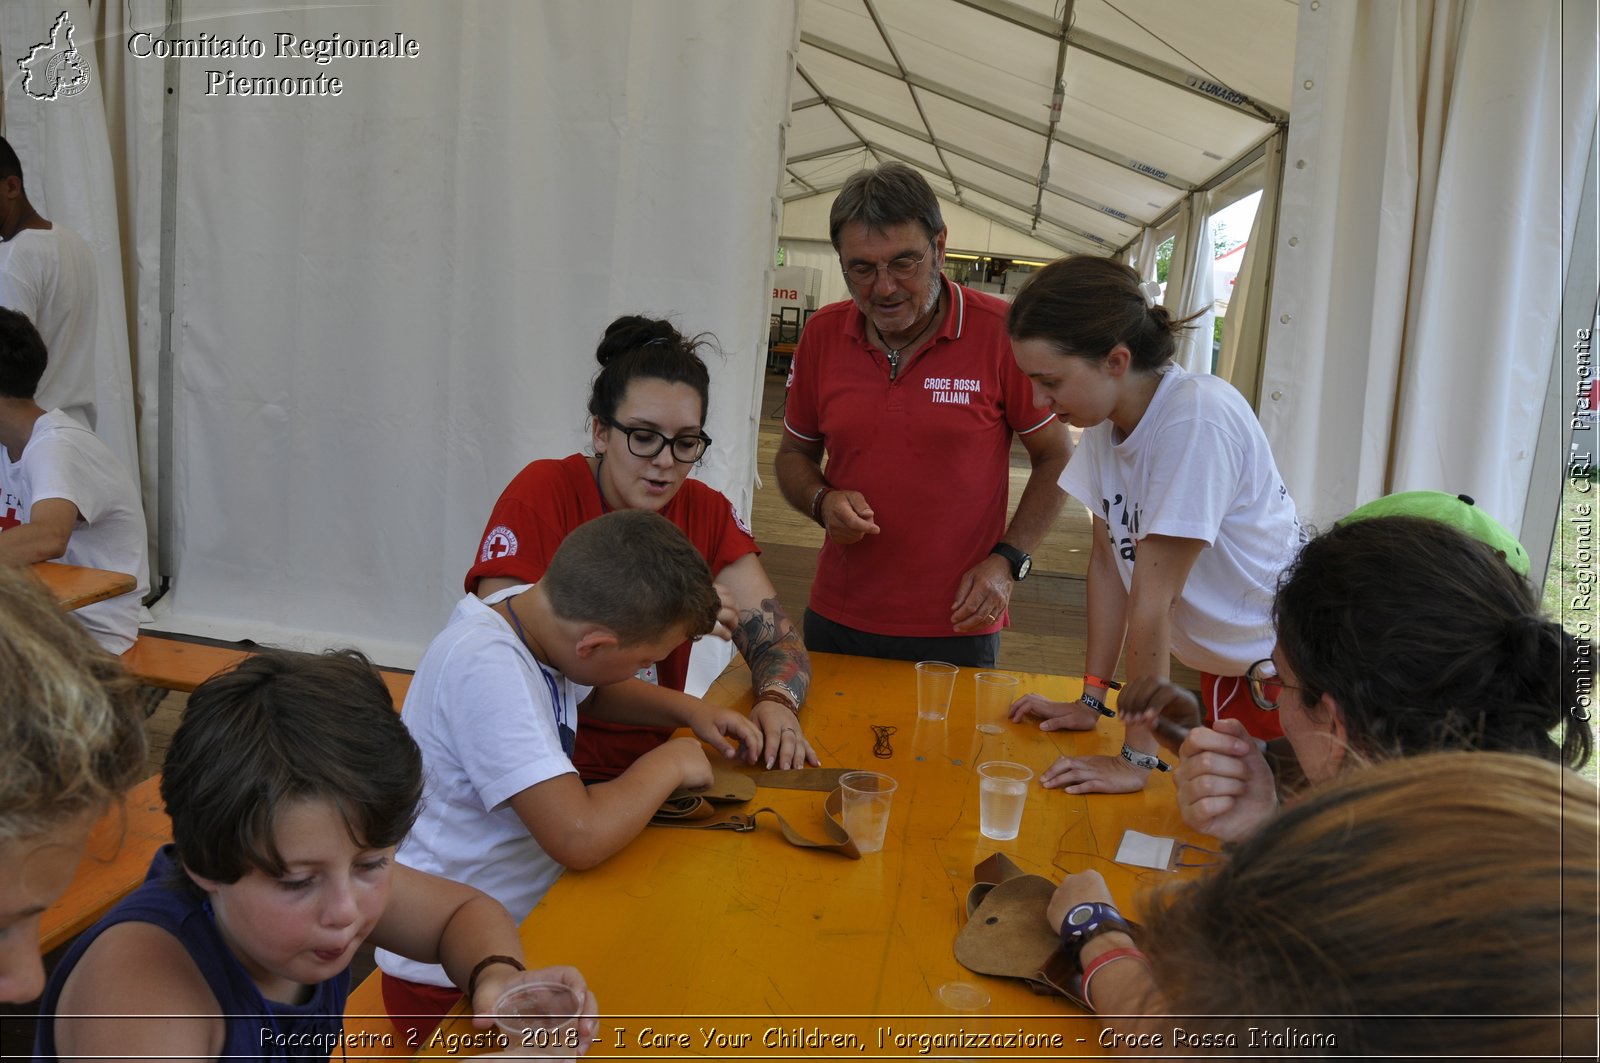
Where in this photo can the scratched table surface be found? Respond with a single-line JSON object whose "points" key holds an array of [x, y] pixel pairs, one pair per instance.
{"points": [[75, 586], [725, 945]]}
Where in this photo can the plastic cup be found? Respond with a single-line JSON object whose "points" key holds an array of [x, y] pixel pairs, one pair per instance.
{"points": [[1002, 791], [540, 1019], [936, 683], [996, 692], [865, 797]]}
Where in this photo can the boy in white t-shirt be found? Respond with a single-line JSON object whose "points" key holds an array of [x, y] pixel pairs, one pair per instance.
{"points": [[63, 494], [494, 706]]}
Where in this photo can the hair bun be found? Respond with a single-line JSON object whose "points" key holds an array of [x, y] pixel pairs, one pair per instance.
{"points": [[630, 332]]}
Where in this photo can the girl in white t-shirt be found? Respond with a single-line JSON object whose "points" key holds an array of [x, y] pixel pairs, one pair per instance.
{"points": [[1192, 522]]}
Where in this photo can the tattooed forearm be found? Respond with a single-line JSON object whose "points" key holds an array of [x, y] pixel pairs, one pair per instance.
{"points": [[772, 646]]}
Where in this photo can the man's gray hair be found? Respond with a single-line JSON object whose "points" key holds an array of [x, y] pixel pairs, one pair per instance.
{"points": [[891, 194]]}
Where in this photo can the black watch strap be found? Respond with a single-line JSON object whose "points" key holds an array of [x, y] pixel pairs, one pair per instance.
{"points": [[1021, 563]]}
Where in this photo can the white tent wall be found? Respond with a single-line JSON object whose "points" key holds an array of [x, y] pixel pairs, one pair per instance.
{"points": [[1427, 202], [388, 300], [66, 164]]}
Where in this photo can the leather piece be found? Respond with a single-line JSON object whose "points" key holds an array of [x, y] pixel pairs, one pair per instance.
{"points": [[696, 806], [1008, 934], [838, 839], [822, 779], [727, 786]]}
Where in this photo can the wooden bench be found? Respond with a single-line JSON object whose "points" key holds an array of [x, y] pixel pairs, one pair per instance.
{"points": [[179, 665], [121, 846], [126, 838]]}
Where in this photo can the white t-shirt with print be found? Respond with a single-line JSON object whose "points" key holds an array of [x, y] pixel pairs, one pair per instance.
{"points": [[1197, 466]]}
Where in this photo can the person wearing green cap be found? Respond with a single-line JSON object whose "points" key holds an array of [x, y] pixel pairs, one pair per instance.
{"points": [[1458, 511]]}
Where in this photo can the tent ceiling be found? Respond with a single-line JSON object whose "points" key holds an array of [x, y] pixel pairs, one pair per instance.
{"points": [[1157, 98]]}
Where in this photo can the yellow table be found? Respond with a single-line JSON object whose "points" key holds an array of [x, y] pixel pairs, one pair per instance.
{"points": [[786, 951], [75, 586]]}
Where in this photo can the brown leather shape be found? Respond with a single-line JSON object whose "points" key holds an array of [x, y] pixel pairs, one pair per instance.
{"points": [[821, 779], [1007, 932], [728, 787]]}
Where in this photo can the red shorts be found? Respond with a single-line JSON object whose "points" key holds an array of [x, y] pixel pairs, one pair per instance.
{"points": [[1228, 697], [416, 1008]]}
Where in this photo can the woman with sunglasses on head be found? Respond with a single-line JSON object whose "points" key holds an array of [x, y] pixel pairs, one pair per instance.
{"points": [[1396, 635], [648, 408], [1192, 522]]}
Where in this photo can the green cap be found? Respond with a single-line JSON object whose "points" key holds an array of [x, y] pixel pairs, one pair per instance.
{"points": [[1458, 511]]}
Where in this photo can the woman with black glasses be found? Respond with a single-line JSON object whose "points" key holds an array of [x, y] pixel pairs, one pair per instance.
{"points": [[648, 408]]}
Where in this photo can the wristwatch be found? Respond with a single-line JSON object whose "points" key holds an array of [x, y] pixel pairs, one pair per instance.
{"points": [[1021, 563], [1089, 920]]}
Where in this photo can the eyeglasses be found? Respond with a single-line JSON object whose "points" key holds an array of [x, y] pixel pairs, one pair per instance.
{"points": [[900, 267], [1265, 686], [647, 442]]}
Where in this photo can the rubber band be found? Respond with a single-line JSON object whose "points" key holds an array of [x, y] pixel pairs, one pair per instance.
{"points": [[1107, 957]]}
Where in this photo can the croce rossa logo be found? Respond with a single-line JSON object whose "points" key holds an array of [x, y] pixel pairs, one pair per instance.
{"points": [[54, 69]]}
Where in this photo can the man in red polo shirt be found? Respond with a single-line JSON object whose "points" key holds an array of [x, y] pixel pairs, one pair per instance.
{"points": [[911, 391]]}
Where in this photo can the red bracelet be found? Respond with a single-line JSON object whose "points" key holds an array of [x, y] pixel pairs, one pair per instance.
{"points": [[1109, 956], [1103, 684]]}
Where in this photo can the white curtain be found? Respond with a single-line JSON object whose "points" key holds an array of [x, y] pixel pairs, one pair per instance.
{"points": [[1190, 287], [1144, 257], [66, 165], [1426, 202], [1245, 325], [389, 299]]}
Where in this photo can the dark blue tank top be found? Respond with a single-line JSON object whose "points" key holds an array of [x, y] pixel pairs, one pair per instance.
{"points": [[256, 1028]]}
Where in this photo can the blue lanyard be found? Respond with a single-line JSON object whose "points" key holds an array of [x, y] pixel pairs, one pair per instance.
{"points": [[567, 736]]}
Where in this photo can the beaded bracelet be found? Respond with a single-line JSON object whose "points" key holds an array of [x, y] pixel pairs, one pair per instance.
{"points": [[1140, 759]]}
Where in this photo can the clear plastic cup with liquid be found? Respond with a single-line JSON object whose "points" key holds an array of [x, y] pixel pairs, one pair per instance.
{"points": [[1002, 793]]}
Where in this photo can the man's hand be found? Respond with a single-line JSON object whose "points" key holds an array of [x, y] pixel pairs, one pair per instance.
{"points": [[847, 517], [982, 595], [785, 744]]}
